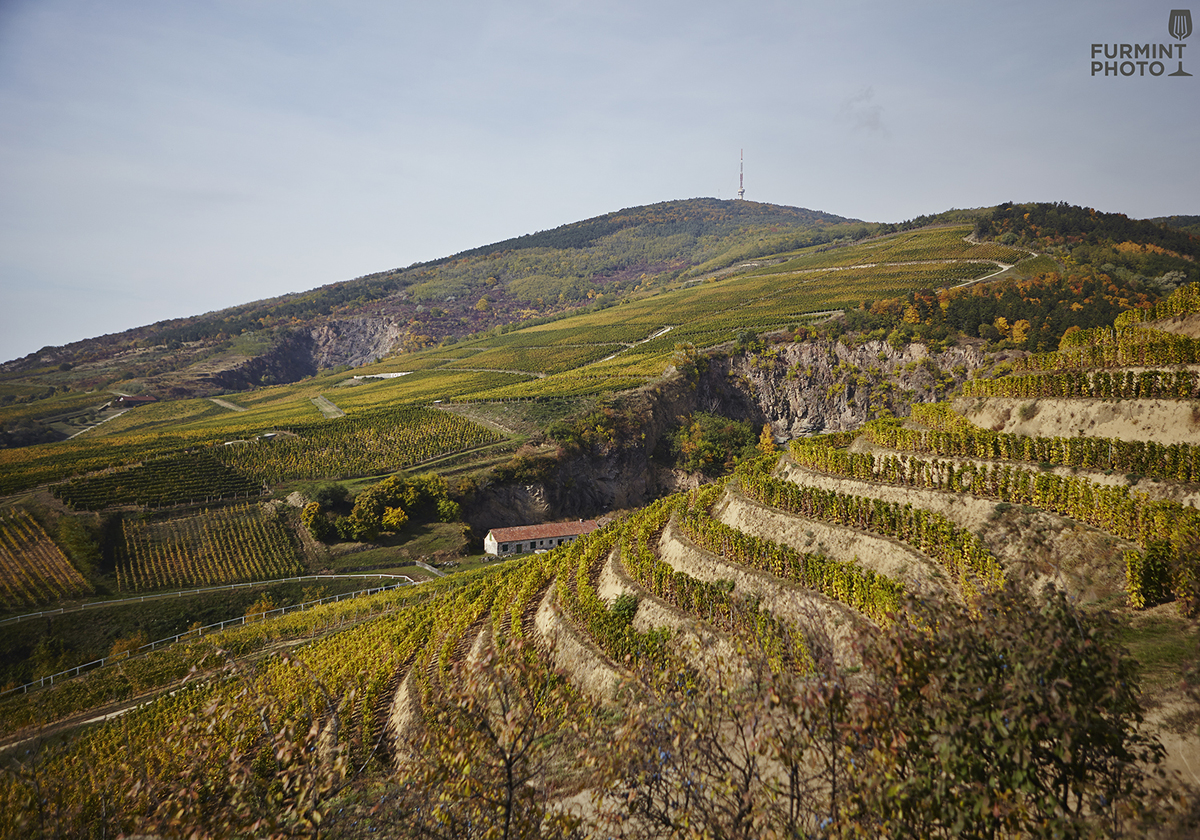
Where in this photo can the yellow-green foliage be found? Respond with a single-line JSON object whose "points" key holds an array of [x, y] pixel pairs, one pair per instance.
{"points": [[33, 570], [226, 545]]}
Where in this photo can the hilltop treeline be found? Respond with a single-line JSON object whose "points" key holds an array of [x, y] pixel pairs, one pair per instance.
{"points": [[1089, 237], [694, 217], [1021, 313]]}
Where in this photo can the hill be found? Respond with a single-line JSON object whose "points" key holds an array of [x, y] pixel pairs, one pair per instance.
{"points": [[542, 275], [887, 521]]}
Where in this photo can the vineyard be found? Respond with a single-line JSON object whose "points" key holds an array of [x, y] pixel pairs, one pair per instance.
{"points": [[711, 312], [1105, 385], [1127, 343], [422, 386], [948, 433], [364, 443], [942, 244], [874, 595], [224, 545], [33, 570], [162, 482], [537, 359], [1125, 348], [340, 705], [1166, 568]]}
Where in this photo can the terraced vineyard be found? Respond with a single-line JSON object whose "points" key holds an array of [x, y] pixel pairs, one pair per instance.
{"points": [[703, 586]]}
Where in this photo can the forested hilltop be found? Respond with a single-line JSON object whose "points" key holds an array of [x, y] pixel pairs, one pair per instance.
{"points": [[1109, 241]]}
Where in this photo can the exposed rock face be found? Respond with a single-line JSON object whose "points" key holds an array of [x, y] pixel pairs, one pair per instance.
{"points": [[288, 360], [798, 389], [293, 355], [825, 386], [353, 341], [504, 505]]}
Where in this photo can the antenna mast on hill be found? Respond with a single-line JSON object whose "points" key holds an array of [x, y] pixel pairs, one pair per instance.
{"points": [[741, 174]]}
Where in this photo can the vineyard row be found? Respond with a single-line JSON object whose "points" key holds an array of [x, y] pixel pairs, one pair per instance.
{"points": [[1129, 515]]}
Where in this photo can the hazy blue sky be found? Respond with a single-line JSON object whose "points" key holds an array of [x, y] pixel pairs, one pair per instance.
{"points": [[161, 159]]}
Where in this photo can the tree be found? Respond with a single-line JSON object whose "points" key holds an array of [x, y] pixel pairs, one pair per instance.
{"points": [[314, 520], [394, 519], [1016, 717], [766, 441]]}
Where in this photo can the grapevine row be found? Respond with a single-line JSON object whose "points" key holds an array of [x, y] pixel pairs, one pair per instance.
{"points": [[33, 570], [1128, 348], [160, 482], [364, 443], [711, 602], [874, 595], [166, 665], [223, 546], [952, 435], [578, 564], [352, 667], [1118, 385], [961, 553], [1124, 513]]}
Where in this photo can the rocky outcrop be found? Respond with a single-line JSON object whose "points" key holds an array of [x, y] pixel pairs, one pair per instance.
{"points": [[827, 386], [288, 359], [503, 505], [798, 388], [352, 341]]}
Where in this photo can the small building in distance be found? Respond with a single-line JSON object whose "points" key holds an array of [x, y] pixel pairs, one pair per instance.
{"points": [[522, 539], [126, 401]]}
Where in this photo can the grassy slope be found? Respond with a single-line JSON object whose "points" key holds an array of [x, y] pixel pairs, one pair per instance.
{"points": [[703, 313]]}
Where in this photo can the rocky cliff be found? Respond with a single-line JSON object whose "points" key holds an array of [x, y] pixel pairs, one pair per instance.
{"points": [[353, 341], [797, 388]]}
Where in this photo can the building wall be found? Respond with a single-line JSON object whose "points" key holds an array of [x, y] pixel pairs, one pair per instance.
{"points": [[490, 545]]}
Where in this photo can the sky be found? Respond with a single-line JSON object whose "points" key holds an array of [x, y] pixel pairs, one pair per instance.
{"points": [[164, 159]]}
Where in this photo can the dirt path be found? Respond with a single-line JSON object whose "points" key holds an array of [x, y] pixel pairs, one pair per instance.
{"points": [[227, 404], [112, 416], [327, 408]]}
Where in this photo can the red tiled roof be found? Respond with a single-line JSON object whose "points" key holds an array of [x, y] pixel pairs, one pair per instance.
{"points": [[548, 531]]}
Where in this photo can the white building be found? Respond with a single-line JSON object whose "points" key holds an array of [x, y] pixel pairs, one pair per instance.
{"points": [[525, 538]]}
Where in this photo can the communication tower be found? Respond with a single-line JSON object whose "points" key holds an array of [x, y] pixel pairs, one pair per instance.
{"points": [[741, 174]]}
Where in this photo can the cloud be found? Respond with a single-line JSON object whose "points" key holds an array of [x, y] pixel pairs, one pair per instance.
{"points": [[864, 114]]}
